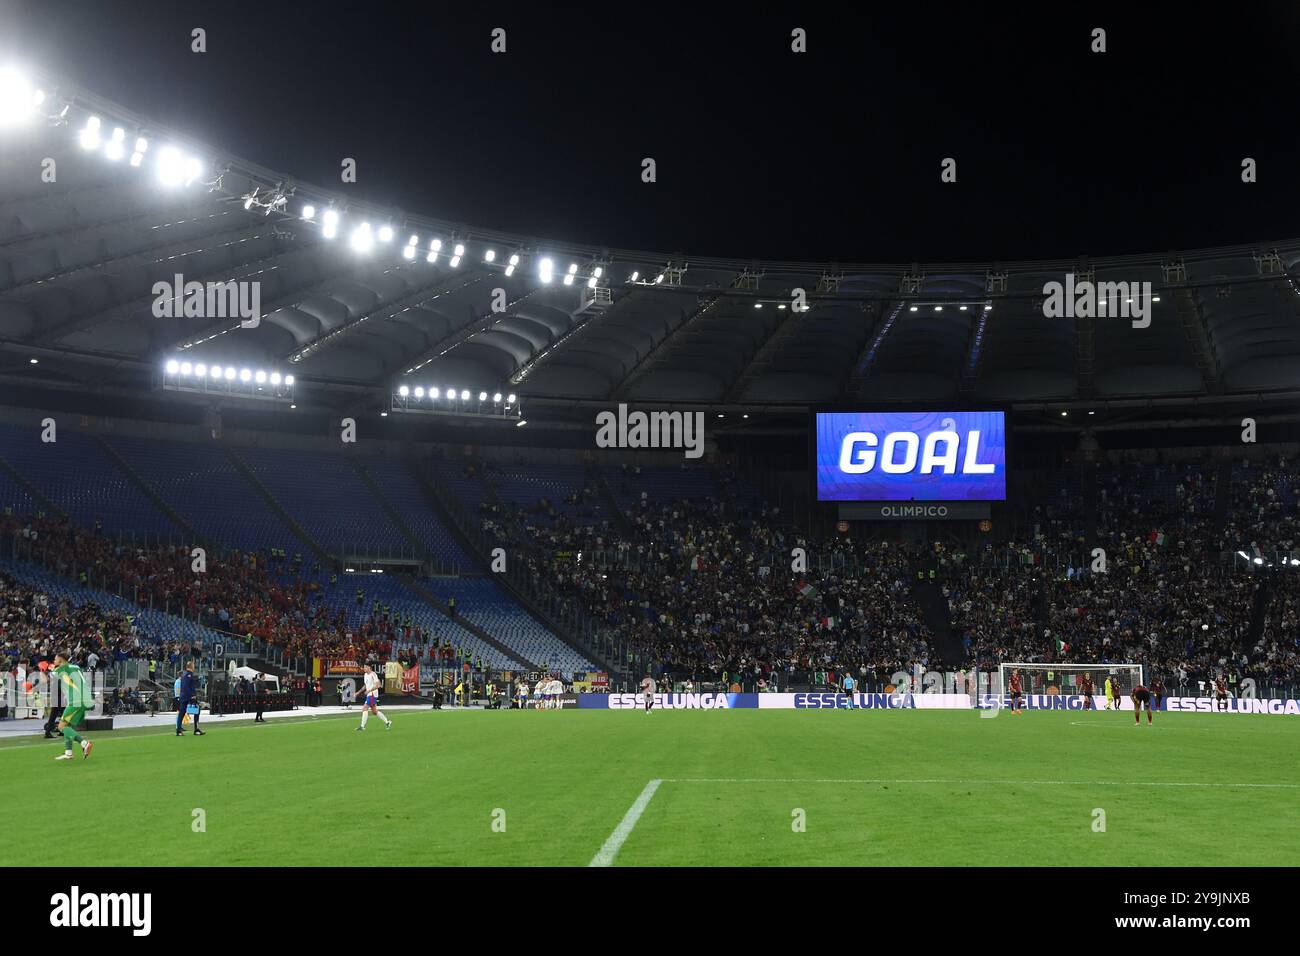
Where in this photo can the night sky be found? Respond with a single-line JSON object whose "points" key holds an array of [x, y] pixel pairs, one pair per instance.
{"points": [[762, 153]]}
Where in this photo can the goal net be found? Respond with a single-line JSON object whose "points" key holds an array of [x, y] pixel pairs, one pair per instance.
{"points": [[1068, 678]]}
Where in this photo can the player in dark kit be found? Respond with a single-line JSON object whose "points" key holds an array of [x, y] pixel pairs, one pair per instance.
{"points": [[1085, 688], [1220, 694], [1141, 697], [1017, 691], [1157, 692]]}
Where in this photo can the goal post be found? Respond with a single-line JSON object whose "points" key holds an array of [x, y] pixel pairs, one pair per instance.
{"points": [[1067, 678]]}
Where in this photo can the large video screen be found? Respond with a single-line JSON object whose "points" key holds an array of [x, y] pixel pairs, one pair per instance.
{"points": [[911, 456]]}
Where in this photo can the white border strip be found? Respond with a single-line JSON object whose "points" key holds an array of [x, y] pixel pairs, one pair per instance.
{"points": [[624, 829], [996, 783]]}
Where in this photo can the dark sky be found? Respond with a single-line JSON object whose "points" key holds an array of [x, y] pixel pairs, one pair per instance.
{"points": [[834, 154]]}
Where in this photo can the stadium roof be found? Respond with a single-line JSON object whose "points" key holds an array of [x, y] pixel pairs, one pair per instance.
{"points": [[80, 257]]}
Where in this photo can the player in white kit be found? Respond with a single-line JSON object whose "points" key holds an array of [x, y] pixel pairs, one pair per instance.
{"points": [[648, 688], [371, 705]]}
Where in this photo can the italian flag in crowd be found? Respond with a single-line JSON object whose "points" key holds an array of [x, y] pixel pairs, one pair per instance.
{"points": [[1062, 647], [805, 589]]}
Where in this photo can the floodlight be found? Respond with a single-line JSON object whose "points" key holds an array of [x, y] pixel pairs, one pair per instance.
{"points": [[201, 370], [455, 261], [16, 98], [288, 380], [173, 367], [230, 373], [464, 395], [514, 259], [408, 252], [659, 278], [116, 147], [244, 374], [433, 393], [275, 378], [419, 392], [141, 145], [510, 270], [404, 391], [215, 371], [248, 201], [510, 399], [545, 270], [634, 276], [521, 423], [460, 249], [186, 368], [496, 397], [597, 272], [435, 244], [431, 257], [90, 134], [758, 305], [385, 233], [260, 377], [413, 240], [171, 166], [482, 396], [490, 256], [362, 240]]}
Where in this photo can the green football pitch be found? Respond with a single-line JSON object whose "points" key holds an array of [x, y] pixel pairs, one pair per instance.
{"points": [[677, 788]]}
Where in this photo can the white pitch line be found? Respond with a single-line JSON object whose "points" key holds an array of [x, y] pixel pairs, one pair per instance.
{"points": [[999, 783], [621, 832]]}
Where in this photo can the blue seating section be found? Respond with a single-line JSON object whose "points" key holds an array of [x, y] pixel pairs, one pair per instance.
{"points": [[484, 604], [202, 485], [389, 590], [77, 475], [469, 490], [659, 484], [402, 492], [328, 499]]}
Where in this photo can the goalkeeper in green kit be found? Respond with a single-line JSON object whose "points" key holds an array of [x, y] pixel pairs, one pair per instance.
{"points": [[80, 698]]}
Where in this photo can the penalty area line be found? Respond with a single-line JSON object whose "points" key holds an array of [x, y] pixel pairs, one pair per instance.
{"points": [[605, 856]]}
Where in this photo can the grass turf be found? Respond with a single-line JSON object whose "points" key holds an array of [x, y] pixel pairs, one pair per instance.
{"points": [[875, 788]]}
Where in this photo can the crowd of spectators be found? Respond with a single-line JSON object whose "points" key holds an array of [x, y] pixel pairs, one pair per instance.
{"points": [[33, 625], [723, 588]]}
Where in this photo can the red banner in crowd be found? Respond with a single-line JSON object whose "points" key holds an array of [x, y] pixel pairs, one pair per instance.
{"points": [[411, 680]]}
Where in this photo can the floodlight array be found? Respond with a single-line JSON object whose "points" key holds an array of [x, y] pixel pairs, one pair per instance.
{"points": [[187, 375]]}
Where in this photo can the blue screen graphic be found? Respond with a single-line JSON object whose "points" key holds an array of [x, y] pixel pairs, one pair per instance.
{"points": [[911, 456]]}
